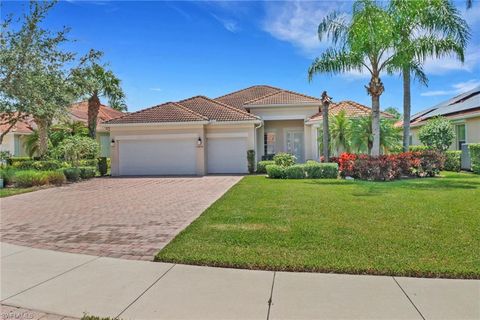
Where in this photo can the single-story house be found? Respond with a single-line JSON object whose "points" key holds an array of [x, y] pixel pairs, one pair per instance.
{"points": [[199, 135], [464, 112], [13, 141]]}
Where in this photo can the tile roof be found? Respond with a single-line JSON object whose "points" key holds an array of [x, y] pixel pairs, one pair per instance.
{"points": [[25, 126], [238, 98], [167, 112], [283, 97], [215, 110], [351, 108], [80, 111]]}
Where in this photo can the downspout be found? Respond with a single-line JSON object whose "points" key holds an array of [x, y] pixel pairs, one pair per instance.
{"points": [[255, 140]]}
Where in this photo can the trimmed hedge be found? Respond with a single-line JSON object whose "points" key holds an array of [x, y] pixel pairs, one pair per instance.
{"points": [[37, 164], [87, 172], [72, 174], [316, 170], [284, 159], [262, 165], [251, 161], [275, 171], [474, 150], [418, 148], [453, 161], [88, 163], [296, 171]]}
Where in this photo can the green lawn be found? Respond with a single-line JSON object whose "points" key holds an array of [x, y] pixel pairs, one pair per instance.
{"points": [[417, 227], [6, 192]]}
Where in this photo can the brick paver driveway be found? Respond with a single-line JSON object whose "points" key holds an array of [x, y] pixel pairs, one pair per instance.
{"points": [[115, 217]]}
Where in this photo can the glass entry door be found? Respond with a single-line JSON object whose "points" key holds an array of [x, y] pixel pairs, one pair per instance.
{"points": [[295, 144]]}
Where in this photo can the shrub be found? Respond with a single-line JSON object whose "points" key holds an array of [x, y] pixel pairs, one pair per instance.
{"points": [[390, 167], [296, 171], [17, 159], [316, 170], [37, 164], [437, 133], [87, 172], [418, 148], [102, 166], [30, 178], [275, 171], [261, 166], [55, 177], [88, 162], [72, 174], [284, 159], [453, 160], [76, 148], [7, 174], [251, 160], [474, 150]]}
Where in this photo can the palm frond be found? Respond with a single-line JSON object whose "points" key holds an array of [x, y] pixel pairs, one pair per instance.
{"points": [[335, 61], [333, 27]]}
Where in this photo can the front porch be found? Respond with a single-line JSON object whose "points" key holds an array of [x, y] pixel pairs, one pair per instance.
{"points": [[290, 136]]}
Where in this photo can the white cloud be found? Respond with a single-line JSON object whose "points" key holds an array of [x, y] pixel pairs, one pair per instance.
{"points": [[229, 24], [297, 22], [456, 88], [156, 89], [451, 63]]}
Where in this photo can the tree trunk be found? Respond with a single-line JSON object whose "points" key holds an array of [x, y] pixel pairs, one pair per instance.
{"points": [[42, 128], [93, 107], [326, 132], [375, 90], [406, 108]]}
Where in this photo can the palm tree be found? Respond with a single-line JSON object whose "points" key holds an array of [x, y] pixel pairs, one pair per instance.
{"points": [[340, 132], [363, 43], [31, 144], [95, 81], [326, 100], [362, 137], [425, 28]]}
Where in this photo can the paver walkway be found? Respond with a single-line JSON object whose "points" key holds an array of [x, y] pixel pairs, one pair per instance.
{"points": [[130, 218], [71, 284]]}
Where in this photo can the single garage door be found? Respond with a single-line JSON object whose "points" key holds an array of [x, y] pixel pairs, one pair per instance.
{"points": [[157, 157], [227, 155]]}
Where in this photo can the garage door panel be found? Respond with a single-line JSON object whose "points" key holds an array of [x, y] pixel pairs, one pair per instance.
{"points": [[157, 157], [227, 155]]}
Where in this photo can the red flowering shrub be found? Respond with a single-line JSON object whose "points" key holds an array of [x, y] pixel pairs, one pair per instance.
{"points": [[390, 167]]}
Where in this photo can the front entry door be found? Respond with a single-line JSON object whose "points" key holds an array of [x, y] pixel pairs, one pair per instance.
{"points": [[295, 144]]}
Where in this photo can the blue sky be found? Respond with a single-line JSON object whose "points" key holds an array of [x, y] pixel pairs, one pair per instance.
{"points": [[167, 51]]}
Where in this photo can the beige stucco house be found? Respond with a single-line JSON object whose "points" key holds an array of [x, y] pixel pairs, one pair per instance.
{"points": [[199, 135], [464, 112]]}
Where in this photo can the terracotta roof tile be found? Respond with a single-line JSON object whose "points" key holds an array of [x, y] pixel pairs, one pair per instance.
{"points": [[23, 126], [167, 112], [238, 98], [352, 109], [283, 97], [215, 110], [105, 113]]}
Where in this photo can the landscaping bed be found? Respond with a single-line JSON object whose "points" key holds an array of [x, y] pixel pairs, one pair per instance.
{"points": [[413, 227]]}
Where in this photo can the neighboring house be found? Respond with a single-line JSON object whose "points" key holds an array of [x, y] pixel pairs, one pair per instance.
{"points": [[464, 112], [199, 135], [14, 140]]}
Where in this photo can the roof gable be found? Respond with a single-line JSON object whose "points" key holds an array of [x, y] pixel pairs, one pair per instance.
{"points": [[283, 97], [215, 110], [80, 111], [167, 112], [352, 109], [238, 98]]}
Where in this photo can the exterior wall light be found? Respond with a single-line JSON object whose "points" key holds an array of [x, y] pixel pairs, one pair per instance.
{"points": [[199, 141], [112, 143]]}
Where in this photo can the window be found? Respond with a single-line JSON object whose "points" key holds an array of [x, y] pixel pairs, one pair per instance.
{"points": [[460, 131], [410, 140], [269, 143]]}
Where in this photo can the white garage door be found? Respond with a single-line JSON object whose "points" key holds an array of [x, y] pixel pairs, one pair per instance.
{"points": [[227, 155], [157, 157]]}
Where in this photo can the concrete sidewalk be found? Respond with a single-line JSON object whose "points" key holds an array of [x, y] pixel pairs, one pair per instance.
{"points": [[73, 284]]}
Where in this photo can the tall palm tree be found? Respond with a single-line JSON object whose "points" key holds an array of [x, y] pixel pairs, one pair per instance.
{"points": [[425, 28], [362, 43], [340, 132], [94, 81]]}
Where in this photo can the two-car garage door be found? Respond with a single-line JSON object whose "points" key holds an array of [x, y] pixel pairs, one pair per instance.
{"points": [[157, 157], [179, 156]]}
